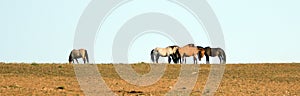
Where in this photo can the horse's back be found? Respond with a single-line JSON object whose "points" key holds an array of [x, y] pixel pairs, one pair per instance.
{"points": [[78, 53], [162, 51], [215, 51], [188, 50], [82, 52]]}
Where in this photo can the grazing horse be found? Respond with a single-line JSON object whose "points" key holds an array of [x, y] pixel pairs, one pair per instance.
{"points": [[75, 54], [170, 51], [175, 53], [190, 50], [213, 52]]}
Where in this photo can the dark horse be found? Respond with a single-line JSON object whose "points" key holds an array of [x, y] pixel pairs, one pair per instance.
{"points": [[213, 52]]}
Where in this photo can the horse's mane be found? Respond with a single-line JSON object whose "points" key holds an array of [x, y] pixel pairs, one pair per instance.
{"points": [[191, 45], [173, 46], [207, 47], [199, 47]]}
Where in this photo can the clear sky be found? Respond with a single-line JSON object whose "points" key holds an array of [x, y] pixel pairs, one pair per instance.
{"points": [[254, 30]]}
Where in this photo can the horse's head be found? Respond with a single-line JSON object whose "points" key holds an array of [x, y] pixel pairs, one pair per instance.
{"points": [[201, 52]]}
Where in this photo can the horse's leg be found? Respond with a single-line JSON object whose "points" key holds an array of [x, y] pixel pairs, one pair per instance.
{"points": [[223, 59], [83, 60], [153, 59], [77, 61], [169, 59], [220, 58], [157, 57], [195, 62], [174, 59], [195, 59], [181, 59], [207, 59]]}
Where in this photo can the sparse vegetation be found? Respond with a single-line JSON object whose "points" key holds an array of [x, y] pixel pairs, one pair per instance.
{"points": [[238, 80], [34, 64]]}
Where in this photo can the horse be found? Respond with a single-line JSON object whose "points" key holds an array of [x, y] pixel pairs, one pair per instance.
{"points": [[190, 50], [170, 51], [175, 53], [75, 54], [213, 52]]}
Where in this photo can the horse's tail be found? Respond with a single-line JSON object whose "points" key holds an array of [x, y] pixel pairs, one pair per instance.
{"points": [[86, 56], [70, 58], [152, 55], [223, 55]]}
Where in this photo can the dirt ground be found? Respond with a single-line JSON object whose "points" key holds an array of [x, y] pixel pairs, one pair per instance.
{"points": [[238, 80]]}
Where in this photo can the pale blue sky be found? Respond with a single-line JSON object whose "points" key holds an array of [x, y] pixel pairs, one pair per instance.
{"points": [[254, 31]]}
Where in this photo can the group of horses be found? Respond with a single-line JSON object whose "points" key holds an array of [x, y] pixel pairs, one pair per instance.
{"points": [[175, 53], [179, 54]]}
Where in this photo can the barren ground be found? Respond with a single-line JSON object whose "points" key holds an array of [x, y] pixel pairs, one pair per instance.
{"points": [[238, 80]]}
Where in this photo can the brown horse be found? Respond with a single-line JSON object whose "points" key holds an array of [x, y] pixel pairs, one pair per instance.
{"points": [[190, 50]]}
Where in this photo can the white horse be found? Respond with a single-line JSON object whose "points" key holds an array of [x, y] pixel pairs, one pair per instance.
{"points": [[170, 51], [75, 54]]}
